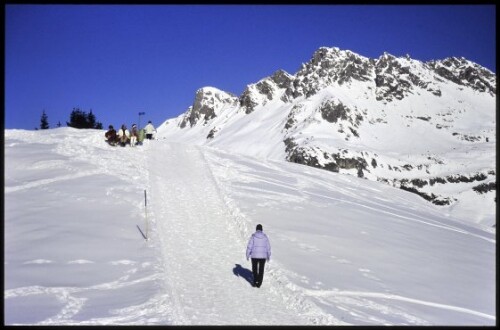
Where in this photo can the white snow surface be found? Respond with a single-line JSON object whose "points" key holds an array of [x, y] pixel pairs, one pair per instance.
{"points": [[345, 250]]}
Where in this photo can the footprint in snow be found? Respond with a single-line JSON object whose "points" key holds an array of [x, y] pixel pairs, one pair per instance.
{"points": [[122, 262], [38, 261], [366, 273], [80, 261]]}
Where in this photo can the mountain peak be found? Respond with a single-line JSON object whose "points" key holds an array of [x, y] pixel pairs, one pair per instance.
{"points": [[207, 105], [391, 119], [465, 73], [387, 55]]}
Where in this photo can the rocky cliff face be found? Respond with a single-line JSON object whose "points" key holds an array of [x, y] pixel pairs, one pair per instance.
{"points": [[428, 128], [208, 103], [465, 73]]}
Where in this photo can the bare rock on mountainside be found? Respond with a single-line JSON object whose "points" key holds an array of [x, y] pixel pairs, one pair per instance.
{"points": [[411, 124]]}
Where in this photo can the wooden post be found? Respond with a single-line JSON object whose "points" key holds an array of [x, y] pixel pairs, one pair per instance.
{"points": [[146, 212]]}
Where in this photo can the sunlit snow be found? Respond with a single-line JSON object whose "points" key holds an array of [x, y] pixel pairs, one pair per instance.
{"points": [[345, 250]]}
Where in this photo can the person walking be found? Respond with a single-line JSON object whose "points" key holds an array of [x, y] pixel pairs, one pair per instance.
{"points": [[259, 250], [149, 129]]}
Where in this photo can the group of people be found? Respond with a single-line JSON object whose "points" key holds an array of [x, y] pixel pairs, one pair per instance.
{"points": [[133, 137]]}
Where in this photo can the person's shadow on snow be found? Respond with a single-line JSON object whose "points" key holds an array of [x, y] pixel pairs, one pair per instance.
{"points": [[239, 271]]}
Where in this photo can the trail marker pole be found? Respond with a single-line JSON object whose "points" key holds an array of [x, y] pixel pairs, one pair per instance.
{"points": [[146, 212]]}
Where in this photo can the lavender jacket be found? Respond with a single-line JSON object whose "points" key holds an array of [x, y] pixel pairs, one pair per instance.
{"points": [[258, 246]]}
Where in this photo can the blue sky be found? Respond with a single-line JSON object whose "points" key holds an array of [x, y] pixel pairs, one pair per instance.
{"points": [[119, 60]]}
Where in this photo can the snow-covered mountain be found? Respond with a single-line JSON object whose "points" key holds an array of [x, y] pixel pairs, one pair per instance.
{"points": [[428, 128]]}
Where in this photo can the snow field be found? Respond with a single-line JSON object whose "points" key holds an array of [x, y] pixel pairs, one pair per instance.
{"points": [[345, 250]]}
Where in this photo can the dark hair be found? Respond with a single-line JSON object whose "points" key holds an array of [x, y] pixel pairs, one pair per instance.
{"points": [[259, 227]]}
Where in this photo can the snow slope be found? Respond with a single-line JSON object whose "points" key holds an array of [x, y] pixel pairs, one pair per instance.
{"points": [[344, 250]]}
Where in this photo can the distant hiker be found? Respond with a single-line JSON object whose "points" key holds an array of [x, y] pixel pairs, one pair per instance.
{"points": [[149, 128], [110, 136], [134, 134], [123, 135], [141, 136], [259, 249]]}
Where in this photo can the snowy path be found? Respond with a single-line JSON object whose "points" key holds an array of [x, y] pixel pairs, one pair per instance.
{"points": [[206, 272]]}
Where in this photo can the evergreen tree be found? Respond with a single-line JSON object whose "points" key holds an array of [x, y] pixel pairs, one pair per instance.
{"points": [[91, 119], [59, 124], [44, 121], [80, 119], [93, 123], [77, 119]]}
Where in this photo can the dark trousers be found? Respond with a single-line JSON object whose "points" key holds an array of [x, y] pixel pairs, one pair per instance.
{"points": [[258, 271]]}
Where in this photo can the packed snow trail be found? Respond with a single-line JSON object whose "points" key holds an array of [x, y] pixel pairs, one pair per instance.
{"points": [[206, 273]]}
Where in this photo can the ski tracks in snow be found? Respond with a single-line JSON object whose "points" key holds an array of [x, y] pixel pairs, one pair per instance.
{"points": [[206, 273]]}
